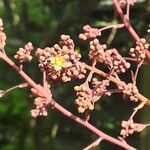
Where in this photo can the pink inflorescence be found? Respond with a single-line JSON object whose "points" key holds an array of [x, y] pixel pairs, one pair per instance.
{"points": [[97, 51], [130, 91], [129, 127], [84, 100], [61, 61], [100, 88], [40, 102], [24, 54], [2, 35], [89, 33], [86, 96], [115, 61], [139, 51], [110, 57]]}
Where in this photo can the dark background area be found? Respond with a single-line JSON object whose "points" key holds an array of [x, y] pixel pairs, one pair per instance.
{"points": [[42, 22]]}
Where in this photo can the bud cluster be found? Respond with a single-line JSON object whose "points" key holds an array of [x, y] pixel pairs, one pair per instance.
{"points": [[110, 57], [40, 103], [100, 88], [89, 33], [129, 127], [2, 35], [24, 54], [88, 96], [115, 61], [85, 99], [61, 61], [97, 51], [139, 51], [131, 91]]}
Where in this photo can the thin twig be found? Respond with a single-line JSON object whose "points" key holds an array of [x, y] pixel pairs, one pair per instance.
{"points": [[94, 144], [136, 72], [135, 60], [114, 26], [88, 79], [22, 85], [127, 24], [128, 10], [118, 82], [62, 110]]}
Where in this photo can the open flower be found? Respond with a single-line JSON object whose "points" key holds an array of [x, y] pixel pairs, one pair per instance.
{"points": [[61, 61]]}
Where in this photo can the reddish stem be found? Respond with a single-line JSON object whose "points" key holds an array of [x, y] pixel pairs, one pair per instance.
{"points": [[128, 25], [118, 82], [62, 110]]}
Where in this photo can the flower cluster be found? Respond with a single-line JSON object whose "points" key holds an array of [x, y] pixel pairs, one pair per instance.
{"points": [[89, 33], [139, 51], [24, 54], [40, 102], [110, 57], [61, 61], [85, 99], [88, 96], [131, 91], [129, 127], [2, 36], [124, 2], [115, 61], [100, 88], [97, 51]]}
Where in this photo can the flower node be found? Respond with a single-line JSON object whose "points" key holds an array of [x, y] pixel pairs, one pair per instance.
{"points": [[61, 61]]}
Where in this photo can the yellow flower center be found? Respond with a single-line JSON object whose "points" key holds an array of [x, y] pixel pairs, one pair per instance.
{"points": [[58, 62]]}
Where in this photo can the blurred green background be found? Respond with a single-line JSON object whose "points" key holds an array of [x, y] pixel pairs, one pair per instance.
{"points": [[42, 22]]}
